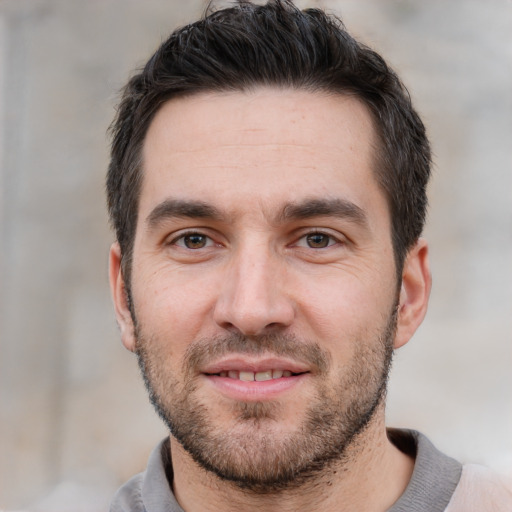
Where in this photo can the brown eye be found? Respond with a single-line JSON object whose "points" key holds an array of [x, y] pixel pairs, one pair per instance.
{"points": [[194, 241], [318, 240]]}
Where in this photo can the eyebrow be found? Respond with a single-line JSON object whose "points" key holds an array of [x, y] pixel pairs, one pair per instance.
{"points": [[324, 207], [178, 208], [309, 208]]}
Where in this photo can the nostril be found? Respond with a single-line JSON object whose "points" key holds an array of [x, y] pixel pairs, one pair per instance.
{"points": [[228, 326]]}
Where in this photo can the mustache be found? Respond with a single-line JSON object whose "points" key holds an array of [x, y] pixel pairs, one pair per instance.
{"points": [[203, 351]]}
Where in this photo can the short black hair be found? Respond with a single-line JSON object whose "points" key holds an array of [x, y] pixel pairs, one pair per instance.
{"points": [[278, 45]]}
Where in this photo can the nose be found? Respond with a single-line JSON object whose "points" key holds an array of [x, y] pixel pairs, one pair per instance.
{"points": [[253, 299]]}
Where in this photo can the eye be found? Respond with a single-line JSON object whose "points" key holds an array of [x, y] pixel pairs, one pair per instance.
{"points": [[193, 241], [317, 240]]}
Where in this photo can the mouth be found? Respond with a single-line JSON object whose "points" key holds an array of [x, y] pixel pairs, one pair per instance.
{"points": [[260, 376], [246, 379]]}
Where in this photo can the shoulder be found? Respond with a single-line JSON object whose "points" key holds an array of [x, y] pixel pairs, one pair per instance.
{"points": [[129, 497], [480, 489], [149, 491]]}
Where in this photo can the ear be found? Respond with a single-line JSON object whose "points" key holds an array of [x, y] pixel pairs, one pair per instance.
{"points": [[414, 293], [120, 298]]}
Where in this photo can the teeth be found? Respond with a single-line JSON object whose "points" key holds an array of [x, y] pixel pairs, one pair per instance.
{"points": [[261, 376], [247, 376]]}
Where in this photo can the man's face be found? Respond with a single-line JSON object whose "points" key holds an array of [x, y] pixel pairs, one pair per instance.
{"points": [[263, 285]]}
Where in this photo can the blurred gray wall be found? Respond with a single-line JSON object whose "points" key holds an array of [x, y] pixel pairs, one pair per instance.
{"points": [[74, 416]]}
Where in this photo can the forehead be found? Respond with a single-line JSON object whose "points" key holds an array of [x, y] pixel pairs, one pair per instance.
{"points": [[265, 145]]}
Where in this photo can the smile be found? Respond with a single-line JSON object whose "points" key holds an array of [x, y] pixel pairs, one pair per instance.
{"points": [[245, 378], [248, 376], [257, 385]]}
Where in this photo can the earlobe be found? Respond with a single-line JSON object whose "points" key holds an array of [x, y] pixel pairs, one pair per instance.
{"points": [[414, 293], [120, 298]]}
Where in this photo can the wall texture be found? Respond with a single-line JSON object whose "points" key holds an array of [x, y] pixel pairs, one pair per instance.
{"points": [[75, 422]]}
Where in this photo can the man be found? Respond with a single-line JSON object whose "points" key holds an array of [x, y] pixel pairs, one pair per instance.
{"points": [[267, 188]]}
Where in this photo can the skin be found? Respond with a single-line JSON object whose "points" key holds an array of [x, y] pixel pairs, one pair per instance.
{"points": [[255, 271]]}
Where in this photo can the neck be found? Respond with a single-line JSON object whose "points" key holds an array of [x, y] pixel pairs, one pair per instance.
{"points": [[371, 477]]}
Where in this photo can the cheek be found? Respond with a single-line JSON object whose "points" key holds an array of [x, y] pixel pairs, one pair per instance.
{"points": [[172, 303], [343, 307]]}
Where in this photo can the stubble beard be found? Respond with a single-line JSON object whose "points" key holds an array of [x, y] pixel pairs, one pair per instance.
{"points": [[249, 453]]}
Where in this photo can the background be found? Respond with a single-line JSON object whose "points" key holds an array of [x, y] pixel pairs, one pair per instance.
{"points": [[75, 420]]}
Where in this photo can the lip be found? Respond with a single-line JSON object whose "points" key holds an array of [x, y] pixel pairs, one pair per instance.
{"points": [[254, 365], [253, 391]]}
